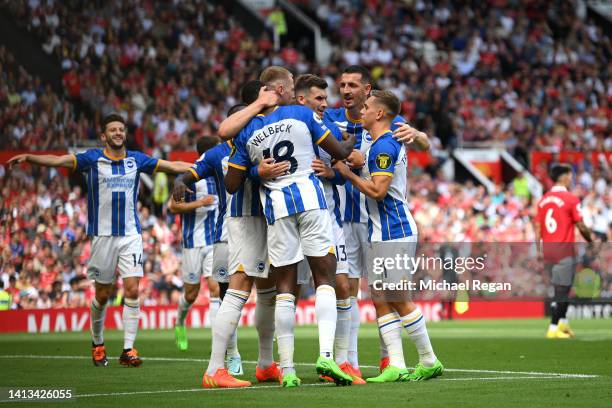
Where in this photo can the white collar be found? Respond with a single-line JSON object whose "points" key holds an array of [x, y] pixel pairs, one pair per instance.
{"points": [[558, 188]]}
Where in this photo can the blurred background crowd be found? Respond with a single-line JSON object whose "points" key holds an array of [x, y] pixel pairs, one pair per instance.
{"points": [[523, 75]]}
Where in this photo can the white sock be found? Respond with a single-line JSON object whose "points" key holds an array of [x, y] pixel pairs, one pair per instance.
{"points": [[354, 333], [390, 329], [264, 322], [563, 321], [213, 308], [325, 309], [183, 309], [97, 315], [225, 325], [414, 323], [343, 330], [232, 345], [382, 347], [552, 327], [284, 317], [131, 317]]}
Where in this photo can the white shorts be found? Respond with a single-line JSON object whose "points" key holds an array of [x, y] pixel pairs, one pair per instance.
{"points": [[356, 237], [247, 245], [303, 276], [379, 253], [220, 262], [110, 253], [197, 262], [307, 233]]}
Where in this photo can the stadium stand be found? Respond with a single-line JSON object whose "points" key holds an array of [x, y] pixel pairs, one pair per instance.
{"points": [[533, 77]]}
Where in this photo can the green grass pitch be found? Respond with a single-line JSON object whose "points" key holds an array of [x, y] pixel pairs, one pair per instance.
{"points": [[489, 363]]}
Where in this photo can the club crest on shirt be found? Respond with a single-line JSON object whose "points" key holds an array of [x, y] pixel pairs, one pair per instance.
{"points": [[383, 161], [366, 136]]}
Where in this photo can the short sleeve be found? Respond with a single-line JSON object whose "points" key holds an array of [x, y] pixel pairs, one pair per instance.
{"points": [[204, 167], [317, 128], [333, 128], [239, 157], [382, 158], [145, 163], [576, 210], [85, 160]]}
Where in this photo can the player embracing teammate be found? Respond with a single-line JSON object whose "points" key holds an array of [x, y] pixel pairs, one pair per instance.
{"points": [[355, 87]]}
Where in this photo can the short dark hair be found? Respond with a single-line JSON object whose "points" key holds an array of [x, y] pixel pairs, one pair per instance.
{"points": [[236, 108], [359, 69], [559, 170], [389, 100], [113, 117], [206, 142], [307, 81], [250, 91]]}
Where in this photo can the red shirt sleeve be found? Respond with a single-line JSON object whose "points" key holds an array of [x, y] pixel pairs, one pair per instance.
{"points": [[576, 210]]}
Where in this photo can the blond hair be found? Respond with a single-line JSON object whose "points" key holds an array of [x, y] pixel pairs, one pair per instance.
{"points": [[273, 74]]}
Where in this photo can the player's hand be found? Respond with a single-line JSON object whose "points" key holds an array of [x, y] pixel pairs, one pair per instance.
{"points": [[207, 200], [20, 158], [355, 160], [405, 133], [268, 169], [267, 98], [179, 190], [321, 169], [342, 168]]}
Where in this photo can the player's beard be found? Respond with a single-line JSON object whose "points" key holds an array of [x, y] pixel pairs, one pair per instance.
{"points": [[114, 146]]}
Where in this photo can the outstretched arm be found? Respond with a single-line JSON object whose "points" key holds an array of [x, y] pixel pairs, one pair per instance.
{"points": [[175, 167], [47, 160], [233, 124]]}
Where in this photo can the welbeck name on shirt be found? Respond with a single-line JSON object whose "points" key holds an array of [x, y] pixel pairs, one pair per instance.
{"points": [[264, 133], [443, 285]]}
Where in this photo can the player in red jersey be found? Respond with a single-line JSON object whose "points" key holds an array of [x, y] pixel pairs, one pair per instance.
{"points": [[558, 212]]}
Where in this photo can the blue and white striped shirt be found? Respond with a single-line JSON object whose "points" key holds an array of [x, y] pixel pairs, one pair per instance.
{"points": [[112, 190], [214, 164], [389, 218], [353, 201], [286, 134], [199, 224]]}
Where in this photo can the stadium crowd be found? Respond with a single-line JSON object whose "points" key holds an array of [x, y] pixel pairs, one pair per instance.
{"points": [[521, 74], [45, 248], [531, 77]]}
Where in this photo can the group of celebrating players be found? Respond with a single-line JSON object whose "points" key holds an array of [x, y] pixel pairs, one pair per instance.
{"points": [[295, 190], [283, 198]]}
